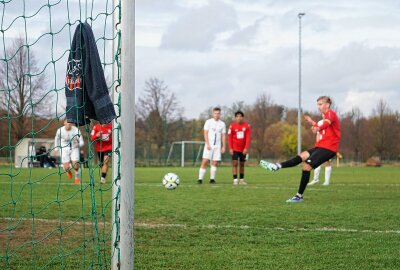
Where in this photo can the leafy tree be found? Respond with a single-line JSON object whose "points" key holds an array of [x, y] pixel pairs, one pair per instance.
{"points": [[262, 114]]}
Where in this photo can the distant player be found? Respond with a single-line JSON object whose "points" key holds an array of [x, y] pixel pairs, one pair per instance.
{"points": [[214, 136], [31, 153], [68, 140], [102, 136], [317, 171], [325, 149], [238, 141]]}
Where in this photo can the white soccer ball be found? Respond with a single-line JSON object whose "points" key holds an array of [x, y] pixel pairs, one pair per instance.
{"points": [[170, 181]]}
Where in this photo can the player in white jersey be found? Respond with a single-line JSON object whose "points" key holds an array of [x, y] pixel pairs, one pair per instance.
{"points": [[214, 135], [328, 169], [68, 140]]}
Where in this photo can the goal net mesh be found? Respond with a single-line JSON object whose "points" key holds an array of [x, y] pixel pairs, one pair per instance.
{"points": [[47, 221]]}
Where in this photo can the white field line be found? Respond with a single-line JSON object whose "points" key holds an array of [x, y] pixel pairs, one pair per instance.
{"points": [[213, 226], [51, 221], [183, 185], [246, 227]]}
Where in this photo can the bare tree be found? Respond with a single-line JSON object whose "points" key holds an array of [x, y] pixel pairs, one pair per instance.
{"points": [[352, 133], [383, 121], [22, 87], [157, 108], [264, 113]]}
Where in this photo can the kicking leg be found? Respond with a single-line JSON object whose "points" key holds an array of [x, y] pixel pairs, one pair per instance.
{"points": [[286, 164]]}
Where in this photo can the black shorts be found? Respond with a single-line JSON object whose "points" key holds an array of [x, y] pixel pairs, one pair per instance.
{"points": [[239, 156], [319, 156], [101, 155]]}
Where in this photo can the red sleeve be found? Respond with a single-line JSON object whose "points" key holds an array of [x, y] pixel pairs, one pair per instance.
{"points": [[230, 137], [323, 125], [93, 133], [331, 116], [248, 137]]}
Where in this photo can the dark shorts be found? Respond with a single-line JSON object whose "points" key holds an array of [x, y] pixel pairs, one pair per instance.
{"points": [[239, 156], [319, 156], [101, 155]]}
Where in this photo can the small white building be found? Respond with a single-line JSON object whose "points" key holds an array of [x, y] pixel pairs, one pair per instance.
{"points": [[25, 151]]}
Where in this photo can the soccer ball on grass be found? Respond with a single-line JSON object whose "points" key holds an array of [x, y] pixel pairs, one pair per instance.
{"points": [[170, 181]]}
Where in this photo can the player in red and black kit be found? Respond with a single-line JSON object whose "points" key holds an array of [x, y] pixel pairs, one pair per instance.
{"points": [[102, 136], [238, 141], [325, 148]]}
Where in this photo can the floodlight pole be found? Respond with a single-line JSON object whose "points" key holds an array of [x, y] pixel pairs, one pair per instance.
{"points": [[299, 108]]}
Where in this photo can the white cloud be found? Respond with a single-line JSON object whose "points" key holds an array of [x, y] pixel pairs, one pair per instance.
{"points": [[364, 100], [199, 28], [218, 52], [245, 35]]}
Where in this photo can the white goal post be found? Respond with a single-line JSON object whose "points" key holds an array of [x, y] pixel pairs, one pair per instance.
{"points": [[182, 143]]}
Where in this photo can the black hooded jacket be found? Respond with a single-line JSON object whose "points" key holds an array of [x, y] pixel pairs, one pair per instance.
{"points": [[85, 85]]}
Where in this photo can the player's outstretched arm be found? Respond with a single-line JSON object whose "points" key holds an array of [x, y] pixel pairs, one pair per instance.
{"points": [[321, 125], [309, 120]]}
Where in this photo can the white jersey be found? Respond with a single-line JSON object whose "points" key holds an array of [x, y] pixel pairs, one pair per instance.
{"points": [[215, 130], [68, 138]]}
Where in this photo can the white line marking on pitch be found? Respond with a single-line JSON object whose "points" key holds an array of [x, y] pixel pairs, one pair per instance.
{"points": [[267, 186], [246, 227], [213, 226]]}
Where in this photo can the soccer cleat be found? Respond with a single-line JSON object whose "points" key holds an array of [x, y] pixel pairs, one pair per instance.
{"points": [[69, 174], [212, 181], [325, 184], [102, 180], [242, 182], [199, 181], [295, 199], [77, 181], [235, 182], [269, 166], [313, 182]]}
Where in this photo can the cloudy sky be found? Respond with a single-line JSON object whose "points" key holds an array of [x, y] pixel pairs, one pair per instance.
{"points": [[216, 52]]}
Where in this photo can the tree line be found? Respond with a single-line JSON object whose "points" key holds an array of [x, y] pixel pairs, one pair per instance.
{"points": [[159, 122], [26, 112]]}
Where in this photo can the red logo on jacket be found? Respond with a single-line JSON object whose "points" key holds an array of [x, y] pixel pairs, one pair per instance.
{"points": [[73, 78]]}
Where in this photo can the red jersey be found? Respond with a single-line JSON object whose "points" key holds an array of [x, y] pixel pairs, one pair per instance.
{"points": [[329, 137], [103, 141], [239, 136]]}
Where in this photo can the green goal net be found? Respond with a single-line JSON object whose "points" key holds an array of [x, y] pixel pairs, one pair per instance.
{"points": [[46, 220]]}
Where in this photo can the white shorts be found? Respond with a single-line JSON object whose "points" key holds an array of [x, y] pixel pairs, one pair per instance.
{"points": [[68, 154], [213, 154]]}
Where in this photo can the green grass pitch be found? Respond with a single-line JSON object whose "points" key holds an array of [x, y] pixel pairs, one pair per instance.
{"points": [[352, 224]]}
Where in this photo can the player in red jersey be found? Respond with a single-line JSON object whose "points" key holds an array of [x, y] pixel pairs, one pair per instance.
{"points": [[238, 141], [325, 148], [102, 136]]}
